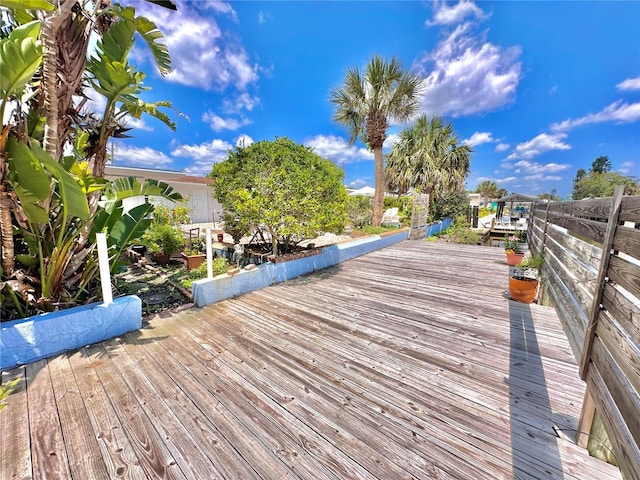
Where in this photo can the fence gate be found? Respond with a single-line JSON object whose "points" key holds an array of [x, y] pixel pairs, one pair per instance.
{"points": [[419, 213]]}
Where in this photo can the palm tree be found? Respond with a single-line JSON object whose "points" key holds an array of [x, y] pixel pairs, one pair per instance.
{"points": [[488, 189], [367, 102], [428, 158]]}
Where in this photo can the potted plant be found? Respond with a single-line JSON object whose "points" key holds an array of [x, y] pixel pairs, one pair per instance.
{"points": [[193, 253], [162, 241], [523, 281], [512, 248]]}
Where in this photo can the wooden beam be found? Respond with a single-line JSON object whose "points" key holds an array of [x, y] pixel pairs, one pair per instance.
{"points": [[600, 280], [586, 419]]}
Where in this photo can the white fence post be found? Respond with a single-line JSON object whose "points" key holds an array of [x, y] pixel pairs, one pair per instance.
{"points": [[103, 261]]}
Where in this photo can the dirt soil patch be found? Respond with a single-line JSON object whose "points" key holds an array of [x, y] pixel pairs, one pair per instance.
{"points": [[157, 286]]}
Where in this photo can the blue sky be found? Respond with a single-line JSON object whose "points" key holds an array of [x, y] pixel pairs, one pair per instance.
{"points": [[539, 89]]}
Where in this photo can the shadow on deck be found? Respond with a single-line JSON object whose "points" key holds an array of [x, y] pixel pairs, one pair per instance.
{"points": [[404, 363]]}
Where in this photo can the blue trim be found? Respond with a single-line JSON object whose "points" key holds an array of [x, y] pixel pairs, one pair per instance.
{"points": [[42, 336], [225, 286]]}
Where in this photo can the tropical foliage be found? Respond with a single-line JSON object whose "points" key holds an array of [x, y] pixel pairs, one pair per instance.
{"points": [[490, 190], [53, 151], [282, 187], [366, 103], [428, 158]]}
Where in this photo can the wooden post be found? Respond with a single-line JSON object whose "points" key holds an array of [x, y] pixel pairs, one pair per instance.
{"points": [[600, 280], [586, 419]]}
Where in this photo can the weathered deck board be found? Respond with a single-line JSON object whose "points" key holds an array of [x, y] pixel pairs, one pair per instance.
{"points": [[408, 362]]}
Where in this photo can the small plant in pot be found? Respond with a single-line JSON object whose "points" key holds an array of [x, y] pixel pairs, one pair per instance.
{"points": [[194, 253], [162, 241], [512, 248], [523, 282]]}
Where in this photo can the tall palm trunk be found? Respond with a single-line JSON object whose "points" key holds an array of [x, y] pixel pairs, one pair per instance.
{"points": [[6, 228], [378, 196]]}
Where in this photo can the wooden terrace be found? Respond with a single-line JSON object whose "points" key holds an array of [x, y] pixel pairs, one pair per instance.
{"points": [[408, 362]]}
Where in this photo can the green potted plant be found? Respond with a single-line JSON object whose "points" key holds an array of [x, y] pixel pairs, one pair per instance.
{"points": [[524, 280], [512, 248], [162, 241], [193, 253]]}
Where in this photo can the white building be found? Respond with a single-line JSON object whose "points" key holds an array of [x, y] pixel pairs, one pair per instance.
{"points": [[198, 191]]}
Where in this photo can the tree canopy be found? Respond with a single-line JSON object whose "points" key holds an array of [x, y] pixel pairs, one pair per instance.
{"points": [[489, 189], [283, 186], [367, 102], [600, 181], [428, 158]]}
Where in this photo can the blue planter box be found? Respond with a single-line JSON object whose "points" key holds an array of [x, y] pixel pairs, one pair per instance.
{"points": [[30, 339], [213, 290]]}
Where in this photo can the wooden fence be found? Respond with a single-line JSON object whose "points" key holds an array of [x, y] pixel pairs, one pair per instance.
{"points": [[592, 274]]}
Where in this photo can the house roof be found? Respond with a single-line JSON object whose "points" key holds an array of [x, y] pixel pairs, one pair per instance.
{"points": [[517, 197]]}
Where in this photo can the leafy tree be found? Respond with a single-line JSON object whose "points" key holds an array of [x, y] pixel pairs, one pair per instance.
{"points": [[595, 185], [488, 190], [453, 204], [283, 186], [601, 165], [429, 159], [367, 102], [552, 195]]}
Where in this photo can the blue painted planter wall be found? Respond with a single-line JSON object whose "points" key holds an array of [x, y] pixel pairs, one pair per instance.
{"points": [[213, 290], [30, 339], [437, 227]]}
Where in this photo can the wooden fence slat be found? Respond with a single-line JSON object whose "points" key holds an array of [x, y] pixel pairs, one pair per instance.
{"points": [[590, 229], [627, 240], [621, 391], [587, 253], [625, 274], [623, 310], [630, 209], [591, 208], [578, 291], [625, 448], [573, 319], [624, 352], [602, 273]]}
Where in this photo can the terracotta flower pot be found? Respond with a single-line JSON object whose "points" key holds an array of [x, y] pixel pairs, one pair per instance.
{"points": [[161, 258], [523, 289], [220, 237], [514, 258], [193, 261]]}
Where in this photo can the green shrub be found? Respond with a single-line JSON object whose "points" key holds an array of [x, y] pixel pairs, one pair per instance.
{"points": [[163, 238], [220, 265], [359, 211]]}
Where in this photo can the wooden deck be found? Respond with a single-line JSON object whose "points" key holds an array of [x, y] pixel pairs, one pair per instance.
{"points": [[405, 363]]}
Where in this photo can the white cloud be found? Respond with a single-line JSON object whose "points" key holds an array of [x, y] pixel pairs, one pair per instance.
{"points": [[137, 123], [144, 157], [337, 149], [243, 141], [501, 147], [616, 112], [628, 168], [221, 7], [467, 75], [215, 151], [202, 55], [263, 17], [534, 167], [358, 183], [537, 146], [447, 15], [205, 155], [478, 138], [218, 123], [391, 140], [543, 177], [240, 102], [629, 84]]}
